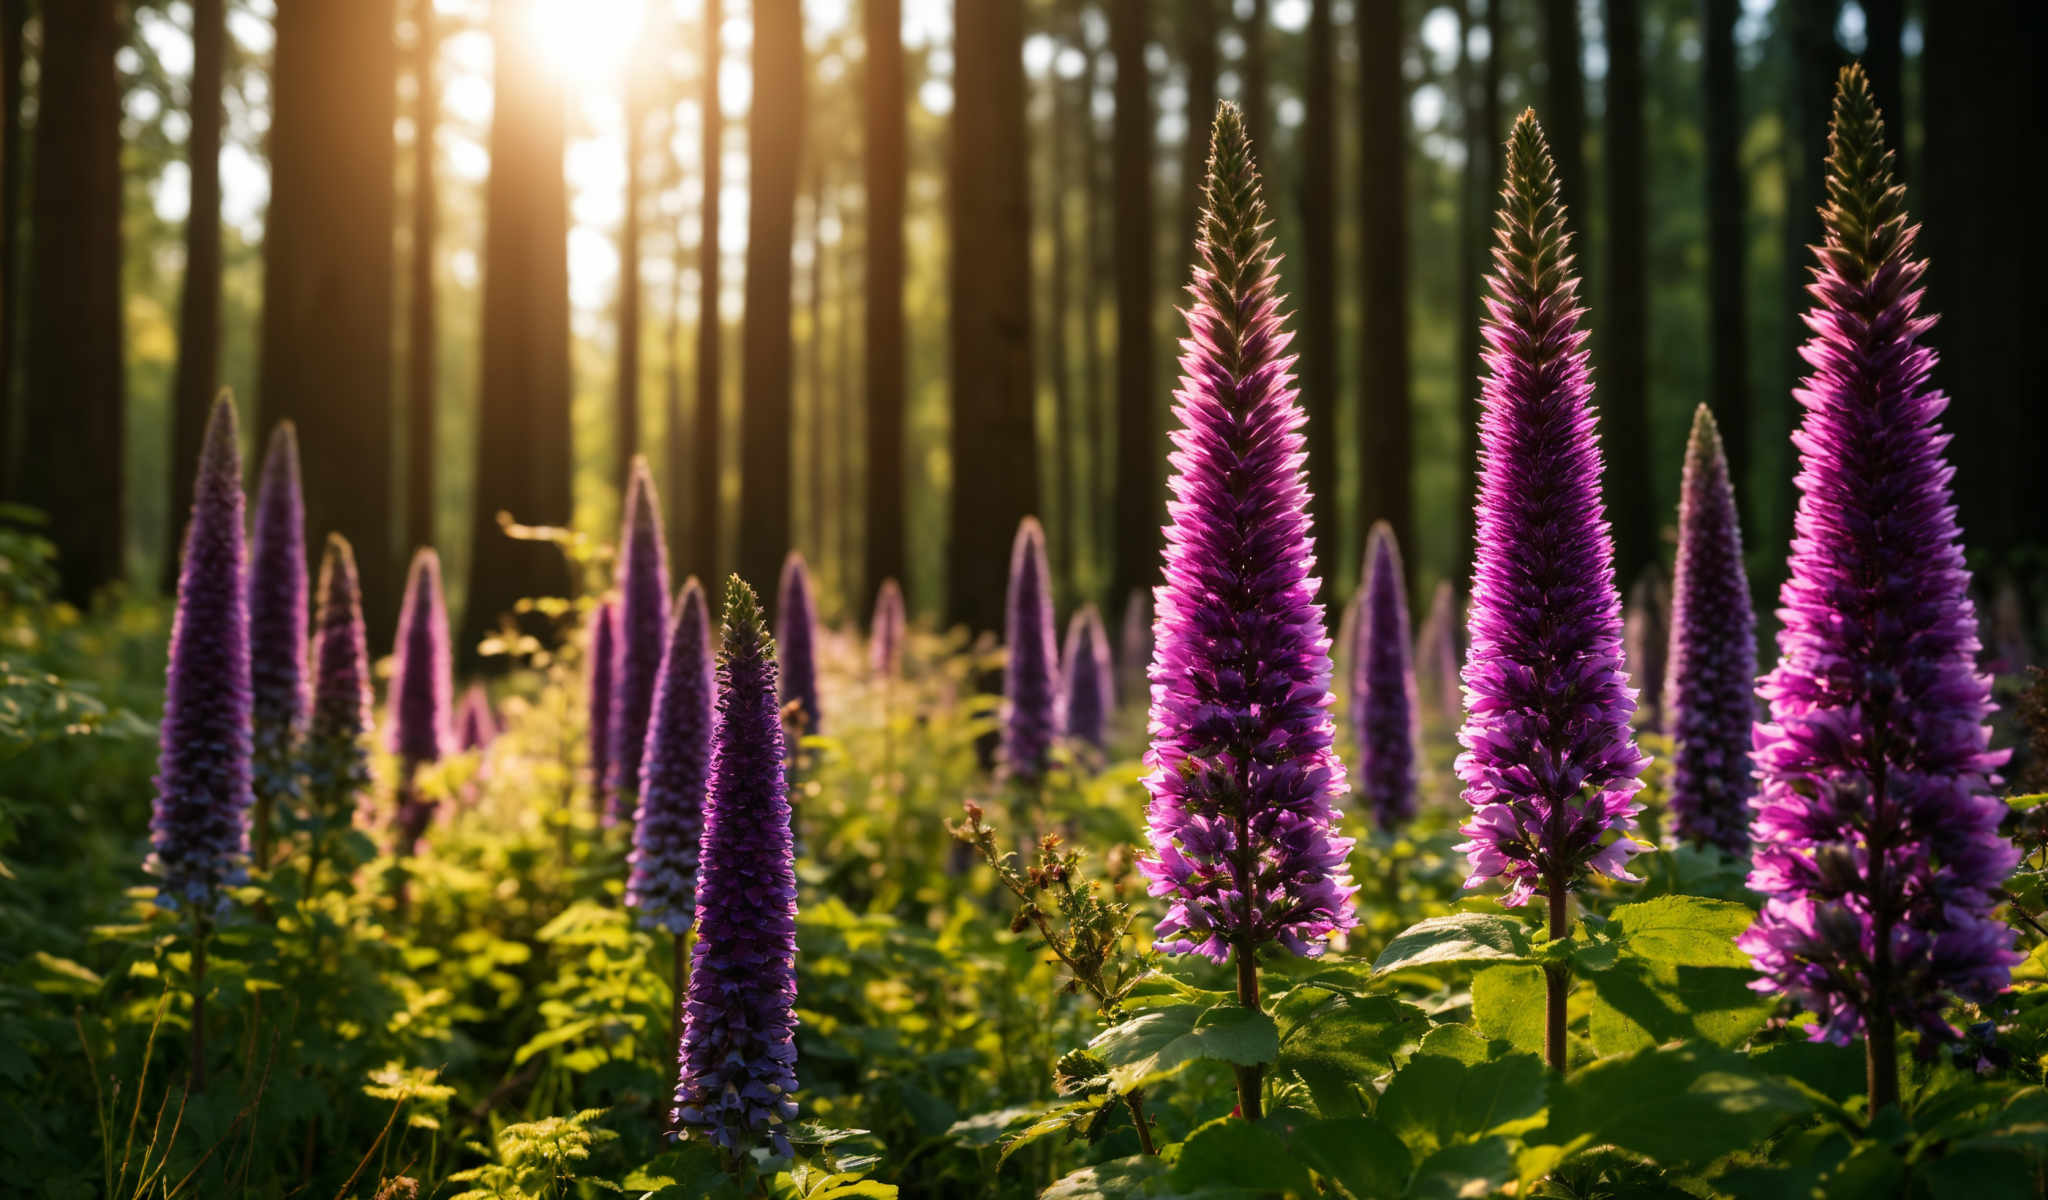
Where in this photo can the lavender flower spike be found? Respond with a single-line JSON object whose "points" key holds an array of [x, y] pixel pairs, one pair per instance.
{"points": [[1030, 661], [796, 634], [198, 833], [336, 750], [1646, 643], [600, 642], [1878, 850], [1710, 694], [1550, 766], [886, 631], [277, 633], [662, 884], [420, 687], [1085, 697], [1383, 709], [738, 1079], [1242, 774], [476, 726], [642, 624]]}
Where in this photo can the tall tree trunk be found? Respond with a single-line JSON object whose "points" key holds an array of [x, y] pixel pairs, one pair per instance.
{"points": [[1198, 30], [707, 476], [1385, 421], [74, 396], [1883, 58], [198, 372], [522, 446], [1253, 78], [1479, 87], [13, 16], [1624, 392], [774, 145], [1564, 113], [1318, 344], [1807, 28], [821, 541], [626, 396], [1727, 244], [847, 405], [1066, 508], [1139, 495], [423, 349], [676, 461], [1099, 415], [995, 433], [886, 170]]}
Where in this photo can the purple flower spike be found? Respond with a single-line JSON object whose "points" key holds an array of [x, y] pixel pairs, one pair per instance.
{"points": [[1383, 709], [796, 636], [1243, 777], [738, 1079], [1550, 766], [198, 833], [1711, 692], [600, 642], [1030, 661], [1646, 644], [642, 625], [1085, 697], [886, 631], [476, 726], [420, 680], [662, 886], [277, 630], [337, 734], [1439, 656], [1876, 831]]}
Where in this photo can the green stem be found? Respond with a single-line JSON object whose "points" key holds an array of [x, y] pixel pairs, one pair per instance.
{"points": [[1249, 1079], [199, 933], [1557, 977]]}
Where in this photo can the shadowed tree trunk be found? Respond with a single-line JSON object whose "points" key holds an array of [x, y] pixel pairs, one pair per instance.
{"points": [[1385, 424], [774, 145], [626, 397], [706, 478], [1253, 79], [1727, 244], [1139, 494], [1099, 414], [1807, 29], [74, 396], [1883, 59], [422, 353], [13, 15], [1624, 390], [821, 541], [882, 370], [1479, 87], [198, 372], [522, 446], [1198, 30], [994, 434], [1564, 113], [676, 460], [1318, 342], [1066, 508], [846, 404]]}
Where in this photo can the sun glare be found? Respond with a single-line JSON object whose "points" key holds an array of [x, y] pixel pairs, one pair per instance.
{"points": [[586, 41]]}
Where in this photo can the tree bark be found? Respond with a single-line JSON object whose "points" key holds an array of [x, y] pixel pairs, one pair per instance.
{"points": [[1624, 390], [13, 16], [75, 400], [1318, 342], [774, 145], [1253, 78], [1727, 243], [1139, 493], [1479, 86], [626, 395], [1564, 114], [1068, 511], [707, 477], [1198, 30], [819, 537], [887, 169], [1808, 32], [198, 370], [423, 349], [1385, 421]]}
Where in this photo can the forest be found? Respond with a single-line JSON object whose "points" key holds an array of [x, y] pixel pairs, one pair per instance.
{"points": [[1081, 599]]}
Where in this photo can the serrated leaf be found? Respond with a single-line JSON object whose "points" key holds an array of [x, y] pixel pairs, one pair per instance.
{"points": [[1360, 1156], [1456, 939], [1233, 1153], [1679, 976], [1119, 1179], [1161, 1041], [1434, 1102], [1681, 1106], [1479, 1168], [1508, 1004]]}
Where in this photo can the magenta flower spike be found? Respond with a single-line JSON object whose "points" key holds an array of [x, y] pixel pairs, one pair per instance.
{"points": [[1383, 708], [1711, 689], [1242, 772], [1646, 645], [277, 635], [420, 672], [198, 831], [476, 726], [1876, 826], [796, 639], [737, 1083], [600, 641], [1031, 665], [887, 631], [1086, 700], [642, 625], [337, 752], [662, 883]]}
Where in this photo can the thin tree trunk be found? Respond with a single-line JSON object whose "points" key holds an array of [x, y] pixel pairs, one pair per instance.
{"points": [[1624, 390], [626, 417], [676, 450], [198, 371], [820, 483], [1808, 31], [76, 404], [13, 15], [423, 356], [1252, 77], [1385, 422], [846, 469], [1727, 243], [1564, 114], [994, 434], [887, 169], [707, 478], [1139, 494], [774, 145], [1198, 27], [1318, 320], [1099, 414], [1480, 88], [1065, 506], [1883, 58]]}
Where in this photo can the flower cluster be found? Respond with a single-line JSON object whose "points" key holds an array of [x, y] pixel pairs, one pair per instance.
{"points": [[1030, 659], [420, 686], [642, 622], [1383, 710], [277, 629], [337, 755], [1085, 697], [662, 883], [796, 638]]}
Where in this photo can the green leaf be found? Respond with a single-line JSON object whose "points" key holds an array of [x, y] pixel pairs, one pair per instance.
{"points": [[1460, 1042], [1056, 1120], [1337, 1041], [1360, 1156], [1233, 1153], [1119, 1179], [1434, 1102], [1161, 1041], [1679, 976], [1479, 1168], [1683, 1106], [1457, 939], [1980, 1173], [1509, 1003]]}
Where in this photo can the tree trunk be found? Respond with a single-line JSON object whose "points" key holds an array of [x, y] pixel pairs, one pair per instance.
{"points": [[13, 16], [1883, 59], [626, 396], [1066, 508], [707, 478], [847, 493], [1624, 390], [1318, 341], [1564, 114], [198, 371], [774, 145], [423, 349], [1198, 28], [820, 540], [676, 462], [887, 169], [1252, 77], [1099, 415], [74, 396], [1139, 494], [1385, 421], [1479, 88], [1727, 244], [522, 446], [994, 434], [1808, 31]]}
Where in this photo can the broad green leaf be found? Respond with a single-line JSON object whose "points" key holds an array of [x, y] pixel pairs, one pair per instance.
{"points": [[1508, 1003], [983, 1129], [1434, 1102], [1970, 1172], [1679, 976], [1233, 1153], [1360, 1156], [1460, 1042], [1119, 1179], [1682, 1106], [1159, 1042], [1457, 939], [1057, 1120], [1335, 1042], [1479, 1168]]}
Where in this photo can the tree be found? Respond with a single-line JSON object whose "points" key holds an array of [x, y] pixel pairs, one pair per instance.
{"points": [[707, 478], [994, 433], [1198, 30], [1385, 422], [1067, 441], [1883, 58], [887, 169], [1252, 78], [13, 16], [1564, 110], [198, 371], [422, 353], [523, 433], [626, 415], [75, 402], [1727, 243], [1807, 29], [325, 358], [774, 146], [1138, 489], [1479, 92], [1318, 322], [1625, 423]]}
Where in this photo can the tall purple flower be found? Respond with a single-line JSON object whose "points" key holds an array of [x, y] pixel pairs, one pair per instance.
{"points": [[600, 641], [1646, 641], [796, 635], [1243, 777], [1711, 690], [1085, 696], [476, 726], [1550, 766], [886, 631], [277, 633], [662, 885], [337, 733], [198, 833], [1878, 851], [1030, 660], [420, 686], [1383, 710], [642, 624], [1439, 655], [738, 1079]]}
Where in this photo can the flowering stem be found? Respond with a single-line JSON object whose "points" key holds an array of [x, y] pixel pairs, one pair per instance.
{"points": [[680, 978], [200, 929], [1557, 977], [1249, 1079]]}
